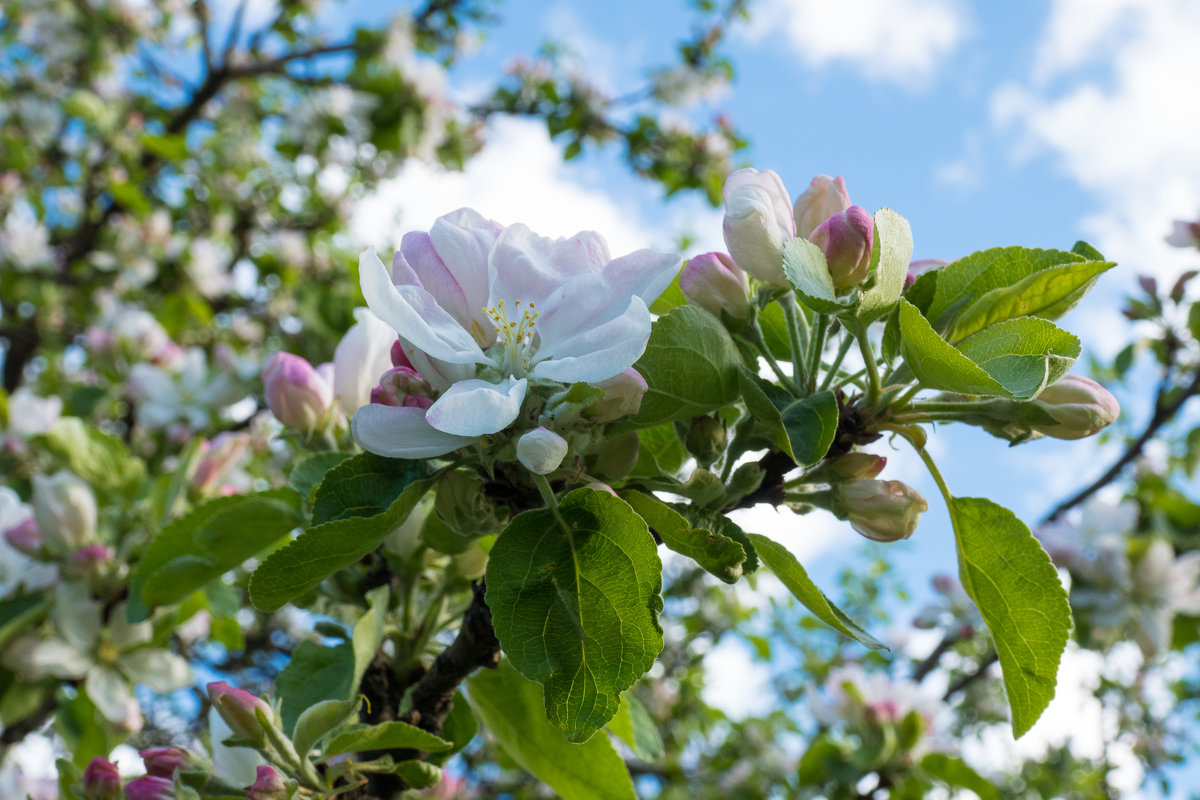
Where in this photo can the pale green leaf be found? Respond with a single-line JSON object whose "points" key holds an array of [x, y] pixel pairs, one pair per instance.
{"points": [[717, 554], [1015, 585], [368, 631], [575, 602], [510, 707], [633, 726], [891, 253], [785, 566], [319, 719], [385, 736], [807, 271], [962, 282]]}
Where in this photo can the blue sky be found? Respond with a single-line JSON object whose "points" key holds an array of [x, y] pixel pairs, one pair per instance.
{"points": [[984, 124]]}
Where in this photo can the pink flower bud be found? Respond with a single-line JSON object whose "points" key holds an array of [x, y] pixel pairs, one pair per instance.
{"points": [[269, 784], [298, 396], [101, 780], [541, 450], [25, 537], [1081, 406], [399, 357], [1185, 234], [219, 457], [856, 466], [237, 708], [622, 395], [713, 282], [150, 787], [758, 221], [823, 198], [403, 386], [880, 510], [164, 761], [89, 560], [846, 239]]}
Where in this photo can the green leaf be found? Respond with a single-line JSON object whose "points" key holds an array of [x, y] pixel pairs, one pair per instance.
{"points": [[368, 631], [1016, 358], [811, 423], [956, 773], [510, 707], [633, 725], [1048, 294], [574, 595], [969, 278], [672, 297], [208, 542], [891, 254], [660, 452], [129, 197], [690, 366], [701, 486], [775, 331], [99, 458], [16, 613], [386, 736], [721, 525], [318, 720], [757, 393], [362, 486], [311, 471], [324, 549], [807, 271], [170, 148], [717, 554], [314, 674], [785, 566], [1015, 585]]}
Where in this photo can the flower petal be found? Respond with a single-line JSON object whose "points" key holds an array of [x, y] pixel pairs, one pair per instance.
{"points": [[402, 432], [642, 273], [77, 615], [56, 657], [108, 690], [161, 670], [477, 407], [415, 314], [597, 353]]}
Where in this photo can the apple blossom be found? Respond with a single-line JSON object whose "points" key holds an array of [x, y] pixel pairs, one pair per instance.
{"points": [[150, 787], [484, 310], [269, 784], [164, 761], [237, 708], [758, 222], [823, 198], [361, 357], [299, 395], [101, 780], [884, 511], [1081, 407], [1185, 233], [846, 239], [541, 450], [713, 282], [623, 394], [65, 509], [1163, 585]]}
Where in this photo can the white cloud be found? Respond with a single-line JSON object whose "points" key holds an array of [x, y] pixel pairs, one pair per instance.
{"points": [[896, 41], [1111, 97], [735, 682]]}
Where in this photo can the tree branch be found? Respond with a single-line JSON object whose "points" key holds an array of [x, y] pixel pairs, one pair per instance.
{"points": [[1163, 413], [971, 677]]}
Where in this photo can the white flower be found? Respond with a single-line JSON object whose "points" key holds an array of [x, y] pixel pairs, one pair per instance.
{"points": [[1164, 586], [190, 396], [16, 568], [482, 310], [24, 241], [29, 414], [108, 658], [361, 358]]}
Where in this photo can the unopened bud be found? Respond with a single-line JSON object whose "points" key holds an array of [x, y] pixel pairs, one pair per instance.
{"points": [[848, 467], [297, 394], [89, 560], [705, 439], [269, 784], [398, 356], [461, 503], [150, 787], [713, 282], [846, 239], [758, 222], [25, 537], [1081, 406], [164, 761], [65, 510], [884, 511], [219, 457], [101, 780], [823, 198], [622, 395], [541, 450], [403, 386], [237, 708]]}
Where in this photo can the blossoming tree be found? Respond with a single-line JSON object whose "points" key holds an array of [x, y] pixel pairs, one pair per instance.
{"points": [[440, 552]]}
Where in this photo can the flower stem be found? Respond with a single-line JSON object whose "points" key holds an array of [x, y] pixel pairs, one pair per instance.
{"points": [[843, 349], [874, 389], [543, 487], [788, 304], [817, 349], [754, 336]]}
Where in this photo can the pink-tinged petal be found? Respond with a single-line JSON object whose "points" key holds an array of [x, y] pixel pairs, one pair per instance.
{"points": [[529, 267], [463, 240], [440, 374], [419, 255], [415, 314], [600, 352], [477, 407], [643, 273], [402, 432]]}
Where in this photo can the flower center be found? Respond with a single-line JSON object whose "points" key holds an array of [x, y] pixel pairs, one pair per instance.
{"points": [[514, 336]]}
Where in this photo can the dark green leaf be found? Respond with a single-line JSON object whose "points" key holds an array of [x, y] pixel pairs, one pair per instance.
{"points": [[575, 600], [721, 525], [311, 471], [362, 486], [717, 554], [315, 674]]}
